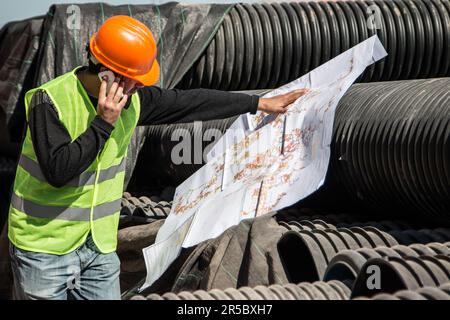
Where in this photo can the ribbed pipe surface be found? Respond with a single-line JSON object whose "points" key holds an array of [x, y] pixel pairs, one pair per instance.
{"points": [[391, 147], [390, 150], [264, 45], [425, 293], [333, 290], [402, 273], [347, 264]]}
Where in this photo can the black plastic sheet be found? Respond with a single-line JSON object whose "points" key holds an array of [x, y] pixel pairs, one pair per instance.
{"points": [[19, 43]]}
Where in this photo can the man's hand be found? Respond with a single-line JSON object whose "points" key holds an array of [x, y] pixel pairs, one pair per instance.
{"points": [[110, 106], [279, 104]]}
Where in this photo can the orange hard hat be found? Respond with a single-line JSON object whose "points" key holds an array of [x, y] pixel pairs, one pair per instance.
{"points": [[126, 46]]}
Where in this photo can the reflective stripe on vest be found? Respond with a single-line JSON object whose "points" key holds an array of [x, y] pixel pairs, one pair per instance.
{"points": [[63, 213], [84, 179]]}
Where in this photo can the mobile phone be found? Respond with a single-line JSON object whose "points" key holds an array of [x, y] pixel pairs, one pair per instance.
{"points": [[110, 76]]}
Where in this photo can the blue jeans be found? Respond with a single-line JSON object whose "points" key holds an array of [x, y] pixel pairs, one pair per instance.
{"points": [[83, 274]]}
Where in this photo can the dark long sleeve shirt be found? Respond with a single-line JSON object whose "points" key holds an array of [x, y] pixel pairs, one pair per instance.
{"points": [[61, 159]]}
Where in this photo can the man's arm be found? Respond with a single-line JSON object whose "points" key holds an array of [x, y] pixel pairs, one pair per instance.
{"points": [[162, 106], [59, 158]]}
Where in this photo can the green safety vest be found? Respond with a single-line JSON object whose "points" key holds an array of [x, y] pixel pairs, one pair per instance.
{"points": [[43, 218]]}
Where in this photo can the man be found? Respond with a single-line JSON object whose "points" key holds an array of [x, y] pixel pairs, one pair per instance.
{"points": [[65, 205]]}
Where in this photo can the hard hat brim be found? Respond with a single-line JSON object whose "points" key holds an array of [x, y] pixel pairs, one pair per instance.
{"points": [[151, 77]]}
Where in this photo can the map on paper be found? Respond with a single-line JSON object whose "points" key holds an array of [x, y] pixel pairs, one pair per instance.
{"points": [[263, 162]]}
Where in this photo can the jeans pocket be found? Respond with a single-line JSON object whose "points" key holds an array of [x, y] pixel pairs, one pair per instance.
{"points": [[21, 256]]}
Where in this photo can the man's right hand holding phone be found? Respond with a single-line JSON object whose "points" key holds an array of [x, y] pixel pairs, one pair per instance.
{"points": [[110, 104]]}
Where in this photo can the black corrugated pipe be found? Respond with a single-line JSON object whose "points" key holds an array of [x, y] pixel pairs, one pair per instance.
{"points": [[333, 290], [390, 151], [404, 273], [264, 45], [305, 254], [315, 248], [426, 293], [347, 264], [391, 148], [333, 221], [172, 153]]}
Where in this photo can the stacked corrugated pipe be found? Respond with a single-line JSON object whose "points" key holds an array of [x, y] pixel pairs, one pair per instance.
{"points": [[403, 236], [323, 261], [157, 154], [268, 44], [333, 290], [347, 265], [391, 147], [316, 245], [153, 206], [260, 46], [310, 224], [313, 250], [403, 273], [142, 210], [425, 293], [389, 151], [388, 159]]}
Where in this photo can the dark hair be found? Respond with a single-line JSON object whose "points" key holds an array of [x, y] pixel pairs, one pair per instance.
{"points": [[92, 66]]}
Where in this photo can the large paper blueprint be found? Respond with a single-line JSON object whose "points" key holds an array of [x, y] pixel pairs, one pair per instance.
{"points": [[263, 162]]}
